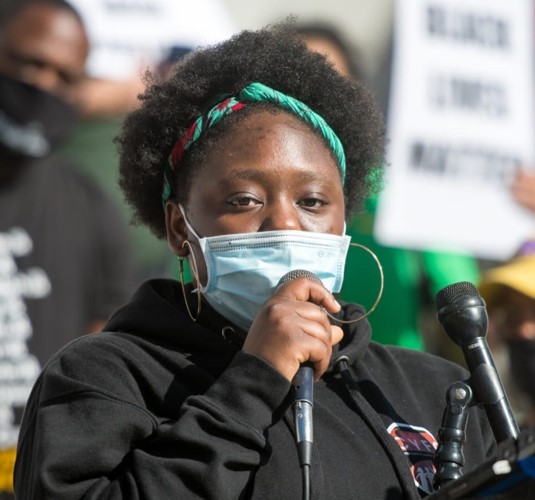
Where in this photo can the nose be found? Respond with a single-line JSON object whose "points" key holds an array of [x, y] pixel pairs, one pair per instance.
{"points": [[282, 215]]}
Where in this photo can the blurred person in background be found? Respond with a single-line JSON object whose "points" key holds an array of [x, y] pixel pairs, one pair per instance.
{"points": [[327, 40], [412, 277], [127, 37], [64, 259], [509, 292]]}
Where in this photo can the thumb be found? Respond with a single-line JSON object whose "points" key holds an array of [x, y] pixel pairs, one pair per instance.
{"points": [[337, 334]]}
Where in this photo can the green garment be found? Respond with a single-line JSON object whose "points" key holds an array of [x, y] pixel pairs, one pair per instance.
{"points": [[411, 279]]}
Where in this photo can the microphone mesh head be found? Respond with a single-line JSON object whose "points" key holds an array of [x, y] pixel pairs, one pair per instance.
{"points": [[451, 293], [299, 273]]}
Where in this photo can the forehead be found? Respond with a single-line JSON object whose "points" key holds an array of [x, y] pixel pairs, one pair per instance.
{"points": [[48, 34], [269, 137]]}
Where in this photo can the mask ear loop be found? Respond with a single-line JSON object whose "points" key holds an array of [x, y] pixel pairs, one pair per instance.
{"points": [[379, 294], [195, 272]]}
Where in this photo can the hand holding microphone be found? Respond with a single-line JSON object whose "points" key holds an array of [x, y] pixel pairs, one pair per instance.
{"points": [[292, 328], [293, 333], [304, 391]]}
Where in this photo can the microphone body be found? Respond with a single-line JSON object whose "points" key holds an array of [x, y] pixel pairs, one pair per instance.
{"points": [[303, 404], [304, 390], [463, 316]]}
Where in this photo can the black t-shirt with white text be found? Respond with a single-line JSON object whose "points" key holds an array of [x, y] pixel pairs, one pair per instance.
{"points": [[64, 265]]}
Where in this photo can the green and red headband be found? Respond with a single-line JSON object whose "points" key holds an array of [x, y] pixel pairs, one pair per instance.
{"points": [[254, 92]]}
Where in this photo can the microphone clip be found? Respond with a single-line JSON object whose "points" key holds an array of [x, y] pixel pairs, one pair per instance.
{"points": [[449, 457]]}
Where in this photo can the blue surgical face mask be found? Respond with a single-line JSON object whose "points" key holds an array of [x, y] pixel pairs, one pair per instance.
{"points": [[244, 269]]}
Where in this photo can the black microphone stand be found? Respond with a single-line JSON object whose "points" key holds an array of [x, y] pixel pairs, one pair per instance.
{"points": [[463, 316], [449, 457], [508, 475]]}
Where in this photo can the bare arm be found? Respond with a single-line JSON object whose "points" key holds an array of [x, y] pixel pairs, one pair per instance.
{"points": [[523, 189], [101, 98]]}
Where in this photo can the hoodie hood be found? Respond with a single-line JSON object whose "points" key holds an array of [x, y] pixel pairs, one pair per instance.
{"points": [[356, 335], [157, 310]]}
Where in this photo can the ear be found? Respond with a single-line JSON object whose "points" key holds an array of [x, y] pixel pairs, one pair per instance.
{"points": [[177, 231]]}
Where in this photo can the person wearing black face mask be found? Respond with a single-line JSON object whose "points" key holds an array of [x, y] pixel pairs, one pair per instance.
{"points": [[32, 122], [509, 290], [64, 263]]}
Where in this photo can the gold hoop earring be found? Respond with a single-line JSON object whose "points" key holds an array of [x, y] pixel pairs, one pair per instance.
{"points": [[379, 294], [196, 275]]}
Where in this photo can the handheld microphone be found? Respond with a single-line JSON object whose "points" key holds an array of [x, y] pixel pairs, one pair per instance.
{"points": [[304, 390], [463, 316]]}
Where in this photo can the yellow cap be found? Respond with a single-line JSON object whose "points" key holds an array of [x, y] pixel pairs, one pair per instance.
{"points": [[518, 274]]}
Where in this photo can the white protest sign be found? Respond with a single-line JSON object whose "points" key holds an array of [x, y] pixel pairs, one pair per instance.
{"points": [[461, 122]]}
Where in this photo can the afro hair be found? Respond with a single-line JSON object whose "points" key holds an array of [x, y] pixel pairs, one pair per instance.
{"points": [[275, 56]]}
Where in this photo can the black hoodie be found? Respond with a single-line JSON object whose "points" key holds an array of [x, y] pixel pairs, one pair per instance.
{"points": [[159, 407]]}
